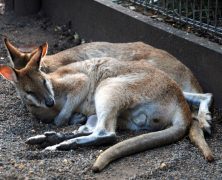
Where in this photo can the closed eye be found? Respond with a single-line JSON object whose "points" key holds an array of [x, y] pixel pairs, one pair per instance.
{"points": [[45, 85], [44, 82], [30, 93]]}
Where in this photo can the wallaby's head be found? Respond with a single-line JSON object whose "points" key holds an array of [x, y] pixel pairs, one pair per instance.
{"points": [[33, 85], [19, 57]]}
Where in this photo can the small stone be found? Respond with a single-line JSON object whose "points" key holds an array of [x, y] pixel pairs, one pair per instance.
{"points": [[65, 161], [41, 162], [31, 172], [154, 16], [21, 166], [132, 8], [159, 19], [163, 166]]}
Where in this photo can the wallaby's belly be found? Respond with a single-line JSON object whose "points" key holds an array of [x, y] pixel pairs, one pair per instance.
{"points": [[146, 116]]}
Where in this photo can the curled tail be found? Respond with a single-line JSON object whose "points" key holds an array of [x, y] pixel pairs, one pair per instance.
{"points": [[139, 144], [197, 137]]}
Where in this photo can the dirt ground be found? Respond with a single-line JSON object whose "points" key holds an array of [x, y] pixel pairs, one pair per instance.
{"points": [[18, 161]]}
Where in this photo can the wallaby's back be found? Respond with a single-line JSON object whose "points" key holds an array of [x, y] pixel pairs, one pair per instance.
{"points": [[126, 52]]}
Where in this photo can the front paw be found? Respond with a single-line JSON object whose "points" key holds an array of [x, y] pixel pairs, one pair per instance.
{"points": [[77, 119], [205, 120]]}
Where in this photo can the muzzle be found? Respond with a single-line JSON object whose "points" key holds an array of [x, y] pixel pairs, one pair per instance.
{"points": [[49, 102]]}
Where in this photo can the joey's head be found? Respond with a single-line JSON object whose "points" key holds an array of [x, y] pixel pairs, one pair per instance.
{"points": [[19, 57], [33, 85]]}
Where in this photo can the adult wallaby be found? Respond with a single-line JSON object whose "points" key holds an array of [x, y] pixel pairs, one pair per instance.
{"points": [[128, 95], [123, 52]]}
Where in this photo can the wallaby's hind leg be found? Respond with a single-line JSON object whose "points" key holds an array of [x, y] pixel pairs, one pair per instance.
{"points": [[203, 101], [107, 109], [52, 138]]}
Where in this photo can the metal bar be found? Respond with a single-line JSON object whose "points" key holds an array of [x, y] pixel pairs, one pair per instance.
{"points": [[208, 14], [146, 3], [167, 7], [193, 11], [180, 9], [201, 11], [216, 12], [194, 20], [173, 9], [186, 13]]}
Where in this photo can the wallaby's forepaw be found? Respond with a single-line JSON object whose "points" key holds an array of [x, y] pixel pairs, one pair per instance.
{"points": [[77, 119], [204, 119], [48, 138]]}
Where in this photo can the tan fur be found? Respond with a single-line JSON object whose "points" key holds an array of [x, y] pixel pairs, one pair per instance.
{"points": [[127, 52], [109, 88], [123, 52]]}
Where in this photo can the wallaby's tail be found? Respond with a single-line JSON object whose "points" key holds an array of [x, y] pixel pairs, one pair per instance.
{"points": [[139, 144], [197, 137]]}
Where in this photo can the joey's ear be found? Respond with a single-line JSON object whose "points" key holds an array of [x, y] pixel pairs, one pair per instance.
{"points": [[36, 59], [13, 51], [8, 73], [44, 49]]}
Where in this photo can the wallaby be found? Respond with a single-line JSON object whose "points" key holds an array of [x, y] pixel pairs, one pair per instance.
{"points": [[128, 95], [123, 52]]}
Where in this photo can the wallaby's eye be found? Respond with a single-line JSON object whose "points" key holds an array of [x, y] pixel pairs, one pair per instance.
{"points": [[30, 93], [44, 81]]}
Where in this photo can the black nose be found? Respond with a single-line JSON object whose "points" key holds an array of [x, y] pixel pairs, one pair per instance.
{"points": [[49, 102]]}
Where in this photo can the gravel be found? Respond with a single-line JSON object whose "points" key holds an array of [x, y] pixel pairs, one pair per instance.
{"points": [[18, 161]]}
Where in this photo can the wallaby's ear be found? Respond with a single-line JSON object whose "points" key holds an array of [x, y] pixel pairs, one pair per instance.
{"points": [[36, 59], [44, 49], [8, 73], [13, 51]]}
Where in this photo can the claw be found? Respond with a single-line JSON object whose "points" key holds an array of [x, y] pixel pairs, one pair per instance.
{"points": [[39, 139], [51, 148], [208, 117], [206, 127], [67, 145], [49, 133], [204, 119], [208, 130]]}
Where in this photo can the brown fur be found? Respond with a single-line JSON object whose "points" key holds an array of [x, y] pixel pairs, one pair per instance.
{"points": [[78, 76], [121, 51]]}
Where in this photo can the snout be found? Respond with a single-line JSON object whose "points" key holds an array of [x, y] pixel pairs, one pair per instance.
{"points": [[49, 102]]}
